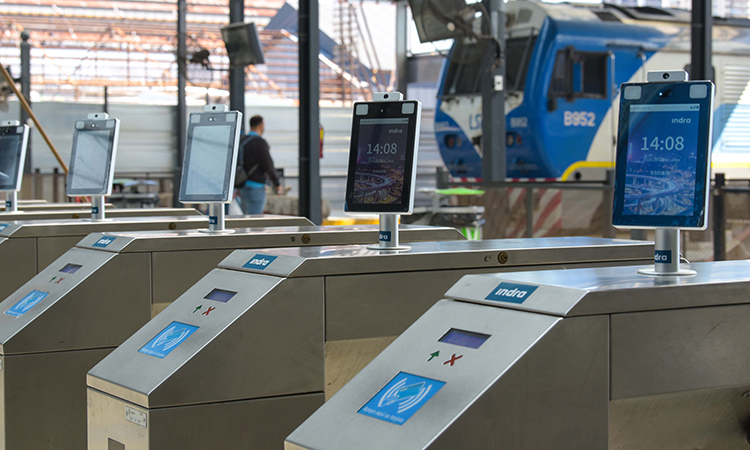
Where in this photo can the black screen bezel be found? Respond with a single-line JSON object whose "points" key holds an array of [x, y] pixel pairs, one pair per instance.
{"points": [[383, 110], [90, 125], [680, 94], [13, 131], [219, 119]]}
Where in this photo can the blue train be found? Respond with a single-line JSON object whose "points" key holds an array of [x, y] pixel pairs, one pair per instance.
{"points": [[565, 64]]}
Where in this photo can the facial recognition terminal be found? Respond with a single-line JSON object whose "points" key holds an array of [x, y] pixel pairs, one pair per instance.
{"points": [[663, 161], [210, 160], [13, 140], [381, 176]]}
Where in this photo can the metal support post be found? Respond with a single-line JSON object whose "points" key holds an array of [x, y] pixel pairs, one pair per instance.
{"points": [[402, 62], [493, 97], [388, 236], [26, 91], [700, 37], [237, 74], [181, 101], [106, 100], [11, 201], [667, 255], [97, 207], [720, 232], [309, 112], [216, 219]]}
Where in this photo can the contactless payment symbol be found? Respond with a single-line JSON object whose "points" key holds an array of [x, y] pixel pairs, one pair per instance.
{"points": [[26, 303], [163, 343], [511, 292], [259, 262], [403, 396], [104, 241]]}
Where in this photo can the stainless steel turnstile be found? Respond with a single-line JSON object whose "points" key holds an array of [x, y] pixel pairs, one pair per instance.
{"points": [[580, 359], [63, 214], [88, 301], [63, 206], [28, 247], [253, 348]]}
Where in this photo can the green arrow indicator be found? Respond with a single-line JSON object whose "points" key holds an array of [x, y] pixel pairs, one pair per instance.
{"points": [[434, 355], [196, 309]]}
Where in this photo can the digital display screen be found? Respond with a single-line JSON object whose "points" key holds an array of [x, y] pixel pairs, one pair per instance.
{"points": [[464, 338], [70, 268], [10, 152], [92, 158], [220, 295], [381, 161], [208, 160], [661, 159]]}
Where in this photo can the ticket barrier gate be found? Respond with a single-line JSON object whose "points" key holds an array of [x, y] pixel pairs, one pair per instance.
{"points": [[91, 299], [582, 359], [63, 214], [28, 247], [252, 349], [62, 206]]}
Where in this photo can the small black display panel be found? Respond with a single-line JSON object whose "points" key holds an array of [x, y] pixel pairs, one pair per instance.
{"points": [[210, 157], [464, 338], [92, 160], [383, 157], [220, 295], [70, 268], [663, 155], [12, 156]]}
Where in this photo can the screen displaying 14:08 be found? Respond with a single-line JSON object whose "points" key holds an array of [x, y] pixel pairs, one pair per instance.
{"points": [[661, 160], [381, 161]]}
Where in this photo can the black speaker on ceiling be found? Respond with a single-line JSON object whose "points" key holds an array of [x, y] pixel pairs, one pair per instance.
{"points": [[243, 44]]}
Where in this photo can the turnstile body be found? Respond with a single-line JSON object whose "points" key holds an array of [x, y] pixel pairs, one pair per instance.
{"points": [[93, 297], [253, 348], [28, 247], [581, 359], [46, 207]]}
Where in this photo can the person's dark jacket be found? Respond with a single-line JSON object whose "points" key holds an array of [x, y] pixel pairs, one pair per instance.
{"points": [[257, 151]]}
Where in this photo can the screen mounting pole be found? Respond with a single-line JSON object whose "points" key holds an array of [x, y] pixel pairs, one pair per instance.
{"points": [[388, 223], [11, 201], [97, 207], [216, 217]]}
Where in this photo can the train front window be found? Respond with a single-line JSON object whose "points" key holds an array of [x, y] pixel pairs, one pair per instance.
{"points": [[579, 75], [464, 71]]}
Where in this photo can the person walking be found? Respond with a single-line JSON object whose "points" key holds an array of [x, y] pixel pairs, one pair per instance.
{"points": [[256, 159]]}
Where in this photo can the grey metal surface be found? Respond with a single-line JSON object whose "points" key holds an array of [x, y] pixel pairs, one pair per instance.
{"points": [[45, 207], [611, 290], [512, 388], [251, 424], [85, 214], [340, 260], [278, 236], [265, 333]]}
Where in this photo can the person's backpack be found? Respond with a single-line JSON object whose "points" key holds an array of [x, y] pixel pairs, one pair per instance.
{"points": [[241, 175]]}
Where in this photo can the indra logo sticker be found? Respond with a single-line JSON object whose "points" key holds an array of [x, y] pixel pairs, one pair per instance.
{"points": [[403, 396], [663, 256], [104, 241], [511, 292], [259, 262], [3, 226], [163, 343], [26, 303], [385, 236]]}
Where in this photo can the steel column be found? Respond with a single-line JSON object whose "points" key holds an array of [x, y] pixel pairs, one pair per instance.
{"points": [[720, 225], [237, 74], [26, 91], [181, 101], [309, 112], [402, 62], [493, 96], [700, 49]]}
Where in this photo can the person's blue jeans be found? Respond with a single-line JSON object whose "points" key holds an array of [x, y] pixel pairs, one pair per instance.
{"points": [[253, 199]]}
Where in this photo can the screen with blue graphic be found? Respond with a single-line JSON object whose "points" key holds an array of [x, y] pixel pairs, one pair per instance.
{"points": [[381, 161], [220, 295], [26, 303], [168, 339], [662, 159], [464, 338], [403, 396], [663, 155]]}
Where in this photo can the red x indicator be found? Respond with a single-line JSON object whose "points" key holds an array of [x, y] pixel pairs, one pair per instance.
{"points": [[210, 308], [453, 359]]}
